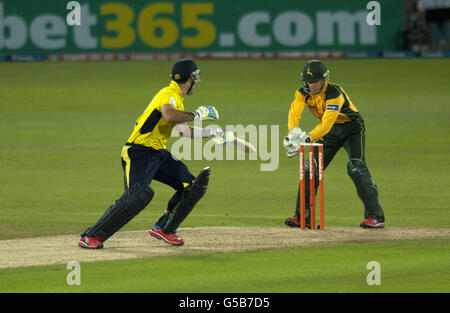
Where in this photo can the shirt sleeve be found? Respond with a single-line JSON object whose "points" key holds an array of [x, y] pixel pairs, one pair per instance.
{"points": [[332, 108], [296, 110], [168, 98]]}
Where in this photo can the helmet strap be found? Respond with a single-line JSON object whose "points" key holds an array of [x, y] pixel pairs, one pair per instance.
{"points": [[190, 88]]}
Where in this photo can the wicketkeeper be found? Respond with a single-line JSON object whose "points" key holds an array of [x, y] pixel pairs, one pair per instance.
{"points": [[144, 158], [340, 125]]}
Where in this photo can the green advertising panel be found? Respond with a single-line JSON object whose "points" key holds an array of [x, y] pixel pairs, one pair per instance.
{"points": [[50, 26]]}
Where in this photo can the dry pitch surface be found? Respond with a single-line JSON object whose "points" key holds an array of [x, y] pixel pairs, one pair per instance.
{"points": [[138, 244]]}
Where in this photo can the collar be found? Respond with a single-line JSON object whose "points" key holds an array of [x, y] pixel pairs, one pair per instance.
{"points": [[324, 88], [174, 86]]}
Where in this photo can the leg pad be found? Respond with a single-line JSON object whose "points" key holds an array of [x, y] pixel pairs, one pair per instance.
{"points": [[123, 210]]}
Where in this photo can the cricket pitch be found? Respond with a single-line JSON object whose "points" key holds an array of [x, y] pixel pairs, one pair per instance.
{"points": [[138, 244]]}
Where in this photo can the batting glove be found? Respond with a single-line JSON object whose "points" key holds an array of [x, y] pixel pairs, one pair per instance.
{"points": [[224, 139], [216, 132], [206, 112]]}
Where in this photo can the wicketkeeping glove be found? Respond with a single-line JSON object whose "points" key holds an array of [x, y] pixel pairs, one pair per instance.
{"points": [[206, 112], [291, 148], [293, 140]]}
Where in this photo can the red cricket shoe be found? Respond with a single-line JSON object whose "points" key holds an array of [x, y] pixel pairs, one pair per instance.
{"points": [[153, 231], [292, 221], [371, 222], [90, 242], [295, 222], [171, 238]]}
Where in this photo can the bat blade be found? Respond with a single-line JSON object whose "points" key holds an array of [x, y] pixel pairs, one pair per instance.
{"points": [[244, 145]]}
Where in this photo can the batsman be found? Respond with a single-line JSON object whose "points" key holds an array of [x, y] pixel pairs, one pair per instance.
{"points": [[145, 157], [341, 125]]}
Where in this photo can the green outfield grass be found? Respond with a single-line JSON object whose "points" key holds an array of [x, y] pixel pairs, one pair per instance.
{"points": [[62, 127]]}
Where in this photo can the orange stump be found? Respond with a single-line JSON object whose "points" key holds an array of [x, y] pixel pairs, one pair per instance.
{"points": [[312, 186]]}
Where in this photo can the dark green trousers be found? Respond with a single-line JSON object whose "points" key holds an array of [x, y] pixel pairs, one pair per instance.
{"points": [[351, 136]]}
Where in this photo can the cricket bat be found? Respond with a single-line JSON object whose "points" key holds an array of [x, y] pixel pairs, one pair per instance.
{"points": [[238, 142], [244, 145]]}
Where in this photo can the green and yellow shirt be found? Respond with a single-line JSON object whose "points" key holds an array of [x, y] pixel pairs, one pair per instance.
{"points": [[331, 106]]}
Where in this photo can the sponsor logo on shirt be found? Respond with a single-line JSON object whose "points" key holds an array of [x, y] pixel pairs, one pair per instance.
{"points": [[333, 107]]}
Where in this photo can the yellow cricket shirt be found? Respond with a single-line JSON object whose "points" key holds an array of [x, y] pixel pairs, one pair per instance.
{"points": [[150, 129], [332, 106]]}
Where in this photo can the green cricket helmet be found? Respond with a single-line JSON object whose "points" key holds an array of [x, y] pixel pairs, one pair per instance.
{"points": [[314, 71]]}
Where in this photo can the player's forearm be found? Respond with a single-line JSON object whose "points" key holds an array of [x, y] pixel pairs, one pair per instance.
{"points": [[293, 123], [175, 116], [319, 131], [193, 132], [324, 126], [295, 114], [204, 112]]}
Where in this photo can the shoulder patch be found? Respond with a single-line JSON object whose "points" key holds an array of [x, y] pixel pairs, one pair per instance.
{"points": [[301, 95], [172, 100], [332, 92]]}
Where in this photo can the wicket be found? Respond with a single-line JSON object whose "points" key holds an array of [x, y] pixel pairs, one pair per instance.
{"points": [[312, 186]]}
